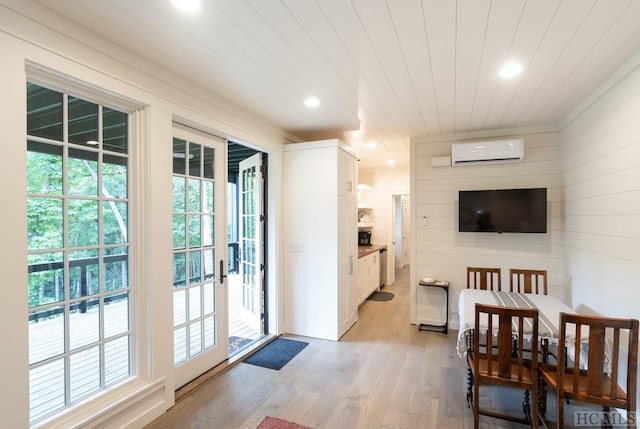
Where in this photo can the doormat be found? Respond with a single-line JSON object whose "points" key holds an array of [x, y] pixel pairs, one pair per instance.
{"points": [[276, 423], [237, 343], [276, 354], [381, 296]]}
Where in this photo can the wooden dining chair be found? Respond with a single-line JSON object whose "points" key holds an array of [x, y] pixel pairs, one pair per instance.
{"points": [[528, 281], [591, 352], [502, 365], [483, 278]]}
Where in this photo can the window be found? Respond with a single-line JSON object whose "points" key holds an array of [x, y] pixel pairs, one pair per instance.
{"points": [[78, 249]]}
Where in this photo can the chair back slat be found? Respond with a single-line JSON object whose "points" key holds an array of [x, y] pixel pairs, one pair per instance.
{"points": [[489, 345], [632, 364], [595, 380], [520, 345], [483, 278], [504, 346], [615, 359], [576, 364]]}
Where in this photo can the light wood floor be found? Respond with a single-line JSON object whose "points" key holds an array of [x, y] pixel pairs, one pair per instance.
{"points": [[384, 373]]}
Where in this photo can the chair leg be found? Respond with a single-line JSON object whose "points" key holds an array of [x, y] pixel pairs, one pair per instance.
{"points": [[526, 406], [560, 409], [606, 424], [476, 405], [535, 416], [542, 398]]}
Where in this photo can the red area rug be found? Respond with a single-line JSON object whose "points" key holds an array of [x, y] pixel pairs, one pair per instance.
{"points": [[276, 423]]}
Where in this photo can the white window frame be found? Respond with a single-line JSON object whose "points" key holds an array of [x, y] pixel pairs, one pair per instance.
{"points": [[94, 404]]}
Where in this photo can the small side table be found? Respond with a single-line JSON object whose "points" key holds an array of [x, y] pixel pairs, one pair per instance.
{"points": [[438, 328]]}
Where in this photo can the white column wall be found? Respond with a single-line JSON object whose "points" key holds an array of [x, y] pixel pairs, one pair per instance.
{"points": [[13, 227]]}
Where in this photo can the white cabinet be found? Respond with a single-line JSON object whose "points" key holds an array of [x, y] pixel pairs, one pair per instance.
{"points": [[368, 275], [321, 239]]}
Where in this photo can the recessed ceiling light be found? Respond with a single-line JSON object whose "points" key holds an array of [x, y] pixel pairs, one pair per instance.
{"points": [[372, 144], [190, 6], [510, 69], [93, 143], [391, 162], [312, 102]]}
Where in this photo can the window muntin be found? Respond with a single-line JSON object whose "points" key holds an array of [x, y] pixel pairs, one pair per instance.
{"points": [[78, 249]]}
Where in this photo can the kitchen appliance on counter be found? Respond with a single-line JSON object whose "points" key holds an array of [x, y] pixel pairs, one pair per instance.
{"points": [[364, 238]]}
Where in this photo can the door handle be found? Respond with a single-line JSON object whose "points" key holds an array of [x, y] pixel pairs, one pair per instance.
{"points": [[222, 274]]}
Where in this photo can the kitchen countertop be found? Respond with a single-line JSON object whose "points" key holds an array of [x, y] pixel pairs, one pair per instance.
{"points": [[367, 250]]}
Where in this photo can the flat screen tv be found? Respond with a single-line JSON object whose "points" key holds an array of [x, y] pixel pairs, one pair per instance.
{"points": [[503, 210]]}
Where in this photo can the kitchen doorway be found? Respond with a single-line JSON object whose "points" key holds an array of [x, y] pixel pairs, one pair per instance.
{"points": [[401, 224], [246, 193]]}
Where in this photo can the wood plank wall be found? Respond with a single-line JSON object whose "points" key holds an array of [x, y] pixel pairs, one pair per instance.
{"points": [[600, 149], [444, 253]]}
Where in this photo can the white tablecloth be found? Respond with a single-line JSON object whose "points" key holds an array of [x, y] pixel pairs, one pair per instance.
{"points": [[549, 309]]}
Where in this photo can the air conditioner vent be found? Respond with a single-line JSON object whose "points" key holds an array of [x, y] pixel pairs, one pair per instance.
{"points": [[487, 151]]}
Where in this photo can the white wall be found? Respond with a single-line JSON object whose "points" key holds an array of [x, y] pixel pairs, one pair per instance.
{"points": [[79, 56], [444, 253], [600, 148]]}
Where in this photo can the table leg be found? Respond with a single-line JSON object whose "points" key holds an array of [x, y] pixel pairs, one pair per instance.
{"points": [[469, 385], [468, 340]]}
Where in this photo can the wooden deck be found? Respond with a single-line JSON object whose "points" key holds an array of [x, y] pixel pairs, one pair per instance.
{"points": [[47, 382], [237, 327]]}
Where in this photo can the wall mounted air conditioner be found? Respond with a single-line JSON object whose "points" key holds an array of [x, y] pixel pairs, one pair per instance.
{"points": [[487, 152]]}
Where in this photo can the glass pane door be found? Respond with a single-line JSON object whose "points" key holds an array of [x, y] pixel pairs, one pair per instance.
{"points": [[251, 258], [199, 252]]}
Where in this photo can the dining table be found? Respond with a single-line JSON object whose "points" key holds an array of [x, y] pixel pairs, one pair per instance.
{"points": [[549, 309]]}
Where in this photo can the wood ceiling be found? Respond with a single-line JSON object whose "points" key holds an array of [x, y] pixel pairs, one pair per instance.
{"points": [[390, 69]]}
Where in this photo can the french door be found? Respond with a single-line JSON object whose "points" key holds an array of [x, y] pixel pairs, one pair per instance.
{"points": [[251, 241], [200, 325]]}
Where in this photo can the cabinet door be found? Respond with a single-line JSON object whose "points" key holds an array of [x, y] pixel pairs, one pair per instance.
{"points": [[375, 271], [347, 174], [351, 237], [347, 258], [363, 277]]}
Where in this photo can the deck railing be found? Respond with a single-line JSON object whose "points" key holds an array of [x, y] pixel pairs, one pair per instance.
{"points": [[82, 304]]}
